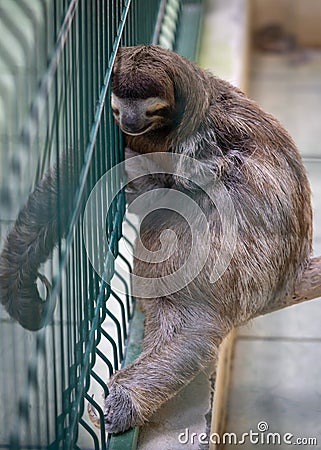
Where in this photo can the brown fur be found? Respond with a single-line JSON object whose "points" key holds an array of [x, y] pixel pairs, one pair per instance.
{"points": [[254, 157], [241, 148]]}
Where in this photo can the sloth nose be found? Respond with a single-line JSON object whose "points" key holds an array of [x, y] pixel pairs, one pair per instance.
{"points": [[131, 123]]}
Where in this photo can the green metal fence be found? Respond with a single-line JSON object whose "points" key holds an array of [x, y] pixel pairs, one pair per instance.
{"points": [[56, 59]]}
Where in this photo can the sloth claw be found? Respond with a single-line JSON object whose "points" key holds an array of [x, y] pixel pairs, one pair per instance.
{"points": [[93, 414]]}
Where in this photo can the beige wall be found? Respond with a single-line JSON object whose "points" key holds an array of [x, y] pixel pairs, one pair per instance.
{"points": [[301, 17]]}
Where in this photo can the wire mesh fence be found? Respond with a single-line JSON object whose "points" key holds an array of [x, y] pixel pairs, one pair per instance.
{"points": [[56, 59]]}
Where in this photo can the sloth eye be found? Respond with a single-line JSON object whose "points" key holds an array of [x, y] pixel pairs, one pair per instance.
{"points": [[156, 112], [115, 111]]}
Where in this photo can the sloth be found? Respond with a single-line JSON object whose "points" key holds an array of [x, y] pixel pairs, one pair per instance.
{"points": [[169, 107], [166, 104]]}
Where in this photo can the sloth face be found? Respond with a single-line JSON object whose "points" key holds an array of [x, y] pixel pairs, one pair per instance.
{"points": [[139, 116]]}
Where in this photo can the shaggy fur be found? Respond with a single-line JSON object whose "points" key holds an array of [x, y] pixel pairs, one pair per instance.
{"points": [[253, 156], [241, 148]]}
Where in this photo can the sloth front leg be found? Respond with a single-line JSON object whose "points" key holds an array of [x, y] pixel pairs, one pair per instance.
{"points": [[139, 389]]}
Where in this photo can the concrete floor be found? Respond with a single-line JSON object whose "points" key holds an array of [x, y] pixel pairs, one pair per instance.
{"points": [[277, 364]]}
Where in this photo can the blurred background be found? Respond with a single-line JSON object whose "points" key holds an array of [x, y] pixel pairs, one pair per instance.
{"points": [[275, 370]]}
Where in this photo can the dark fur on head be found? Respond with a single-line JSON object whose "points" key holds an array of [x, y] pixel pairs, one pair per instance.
{"points": [[149, 71], [250, 153]]}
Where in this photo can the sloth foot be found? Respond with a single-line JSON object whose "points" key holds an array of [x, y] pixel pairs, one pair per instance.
{"points": [[120, 413]]}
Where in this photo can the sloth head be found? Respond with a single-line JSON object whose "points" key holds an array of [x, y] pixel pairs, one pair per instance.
{"points": [[143, 94], [153, 92]]}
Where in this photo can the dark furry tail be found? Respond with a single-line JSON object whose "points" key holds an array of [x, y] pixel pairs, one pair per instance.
{"points": [[40, 223]]}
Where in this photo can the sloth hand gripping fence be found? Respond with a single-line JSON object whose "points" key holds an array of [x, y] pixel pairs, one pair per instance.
{"points": [[56, 60]]}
